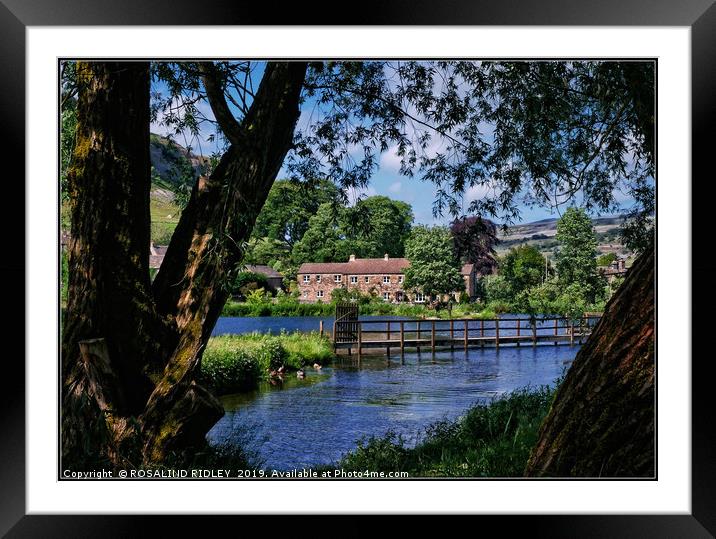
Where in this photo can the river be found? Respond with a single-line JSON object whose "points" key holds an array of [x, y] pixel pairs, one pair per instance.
{"points": [[316, 420]]}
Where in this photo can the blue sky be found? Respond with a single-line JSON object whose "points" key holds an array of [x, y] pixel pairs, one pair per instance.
{"points": [[386, 180]]}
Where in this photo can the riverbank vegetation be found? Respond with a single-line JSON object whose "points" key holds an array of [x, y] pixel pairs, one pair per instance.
{"points": [[233, 363], [489, 440]]}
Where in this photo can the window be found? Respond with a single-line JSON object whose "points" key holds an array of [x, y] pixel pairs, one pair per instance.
{"points": [[318, 278], [419, 297], [367, 279], [386, 279], [306, 278], [338, 278], [400, 279], [319, 294], [386, 296], [354, 279], [305, 294]]}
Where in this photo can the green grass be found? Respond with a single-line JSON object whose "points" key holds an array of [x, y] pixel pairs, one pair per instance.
{"points": [[234, 363], [165, 216], [493, 440]]}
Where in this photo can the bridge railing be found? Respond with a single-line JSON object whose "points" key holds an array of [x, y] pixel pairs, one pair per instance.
{"points": [[466, 331]]}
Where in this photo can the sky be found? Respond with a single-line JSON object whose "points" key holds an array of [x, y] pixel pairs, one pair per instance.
{"points": [[385, 181]]}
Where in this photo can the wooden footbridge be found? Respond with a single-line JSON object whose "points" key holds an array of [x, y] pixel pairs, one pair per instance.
{"points": [[355, 335]]}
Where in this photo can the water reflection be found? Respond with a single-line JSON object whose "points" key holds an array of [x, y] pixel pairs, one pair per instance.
{"points": [[316, 420]]}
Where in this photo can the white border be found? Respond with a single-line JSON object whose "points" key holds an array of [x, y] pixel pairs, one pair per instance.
{"points": [[671, 493]]}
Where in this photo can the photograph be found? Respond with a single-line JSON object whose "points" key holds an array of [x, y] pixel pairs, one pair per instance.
{"points": [[388, 268]]}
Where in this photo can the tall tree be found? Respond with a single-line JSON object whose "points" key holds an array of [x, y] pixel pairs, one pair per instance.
{"points": [[142, 387], [289, 206], [576, 259], [373, 227], [433, 269], [475, 239], [523, 267]]}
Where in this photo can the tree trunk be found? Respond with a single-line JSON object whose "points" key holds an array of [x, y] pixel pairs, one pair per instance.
{"points": [[601, 423], [135, 396]]}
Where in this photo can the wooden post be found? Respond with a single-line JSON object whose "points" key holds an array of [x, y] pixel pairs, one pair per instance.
{"points": [[432, 338], [388, 342], [534, 333], [418, 336], [571, 333], [334, 335], [556, 329], [482, 333], [518, 332], [497, 332], [466, 334], [320, 328], [402, 339], [360, 339], [452, 336]]}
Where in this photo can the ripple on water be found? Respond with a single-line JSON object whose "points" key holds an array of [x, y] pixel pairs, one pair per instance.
{"points": [[316, 420]]}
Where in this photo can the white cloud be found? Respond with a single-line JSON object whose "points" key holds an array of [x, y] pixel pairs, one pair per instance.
{"points": [[362, 192], [395, 187]]}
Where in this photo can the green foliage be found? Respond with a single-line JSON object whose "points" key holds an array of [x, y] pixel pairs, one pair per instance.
{"points": [[373, 227], [266, 251], [497, 289], [248, 281], [285, 216], [606, 259], [433, 267], [493, 440], [576, 263], [523, 267], [233, 363]]}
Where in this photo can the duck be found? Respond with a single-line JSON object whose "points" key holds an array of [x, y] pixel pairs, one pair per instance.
{"points": [[281, 369], [317, 366], [300, 374]]}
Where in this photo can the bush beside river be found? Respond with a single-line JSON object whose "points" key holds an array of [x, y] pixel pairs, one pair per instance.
{"points": [[233, 363], [492, 440]]}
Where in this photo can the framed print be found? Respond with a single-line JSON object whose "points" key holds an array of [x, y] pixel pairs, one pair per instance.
{"points": [[268, 266]]}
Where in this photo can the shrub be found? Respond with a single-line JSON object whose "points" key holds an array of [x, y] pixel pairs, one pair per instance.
{"points": [[490, 440], [233, 363]]}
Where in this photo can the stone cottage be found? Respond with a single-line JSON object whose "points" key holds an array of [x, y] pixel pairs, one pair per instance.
{"points": [[384, 277]]}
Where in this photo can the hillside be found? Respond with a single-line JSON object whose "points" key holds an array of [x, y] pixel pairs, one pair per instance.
{"points": [[173, 168], [541, 234]]}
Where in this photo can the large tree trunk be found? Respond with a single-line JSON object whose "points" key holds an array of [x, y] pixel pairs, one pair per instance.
{"points": [[135, 383], [601, 423]]}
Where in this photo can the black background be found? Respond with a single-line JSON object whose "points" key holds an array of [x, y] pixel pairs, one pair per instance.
{"points": [[15, 15]]}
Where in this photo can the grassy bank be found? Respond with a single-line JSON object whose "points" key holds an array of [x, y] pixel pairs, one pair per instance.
{"points": [[492, 440], [377, 308], [233, 363]]}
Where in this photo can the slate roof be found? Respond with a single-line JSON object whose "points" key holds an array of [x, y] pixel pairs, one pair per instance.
{"points": [[268, 271]]}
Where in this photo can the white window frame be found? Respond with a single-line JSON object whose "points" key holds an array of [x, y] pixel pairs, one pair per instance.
{"points": [[400, 279], [419, 297], [306, 278], [386, 279], [367, 278], [386, 296], [354, 279], [319, 293], [318, 278], [338, 278]]}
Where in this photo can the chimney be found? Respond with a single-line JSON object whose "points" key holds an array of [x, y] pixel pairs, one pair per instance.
{"points": [[385, 256], [352, 258]]}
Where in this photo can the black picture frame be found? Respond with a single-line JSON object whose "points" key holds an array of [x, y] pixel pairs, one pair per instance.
{"points": [[699, 15]]}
